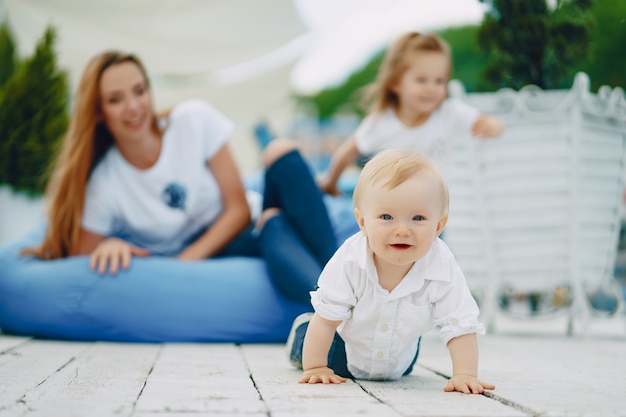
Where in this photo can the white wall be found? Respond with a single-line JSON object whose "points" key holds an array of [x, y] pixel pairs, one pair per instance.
{"points": [[18, 214]]}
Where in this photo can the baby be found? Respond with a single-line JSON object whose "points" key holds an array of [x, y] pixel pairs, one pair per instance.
{"points": [[390, 283]]}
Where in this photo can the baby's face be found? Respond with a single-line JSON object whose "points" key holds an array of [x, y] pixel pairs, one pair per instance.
{"points": [[402, 223]]}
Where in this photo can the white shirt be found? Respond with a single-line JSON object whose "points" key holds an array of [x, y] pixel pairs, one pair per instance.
{"points": [[433, 139], [381, 328], [166, 206]]}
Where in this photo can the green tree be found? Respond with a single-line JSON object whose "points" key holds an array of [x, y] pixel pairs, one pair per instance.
{"points": [[606, 65], [529, 43], [8, 60], [33, 118], [468, 60]]}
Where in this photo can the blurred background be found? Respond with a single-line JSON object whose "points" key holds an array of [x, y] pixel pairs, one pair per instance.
{"points": [[276, 67]]}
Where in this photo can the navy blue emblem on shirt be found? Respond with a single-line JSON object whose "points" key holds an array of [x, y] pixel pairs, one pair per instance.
{"points": [[174, 195]]}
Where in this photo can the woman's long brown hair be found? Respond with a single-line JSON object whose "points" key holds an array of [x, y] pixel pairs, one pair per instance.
{"points": [[85, 143]]}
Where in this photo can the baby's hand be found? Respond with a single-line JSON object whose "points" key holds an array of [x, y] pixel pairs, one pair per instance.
{"points": [[323, 375], [467, 384]]}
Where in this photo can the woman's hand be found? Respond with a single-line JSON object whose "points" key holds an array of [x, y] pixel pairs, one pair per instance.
{"points": [[467, 384], [113, 252], [322, 375]]}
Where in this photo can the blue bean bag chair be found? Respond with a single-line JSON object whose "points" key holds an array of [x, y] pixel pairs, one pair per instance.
{"points": [[156, 300]]}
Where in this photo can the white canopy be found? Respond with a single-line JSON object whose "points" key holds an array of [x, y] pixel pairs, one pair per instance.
{"points": [[237, 54]]}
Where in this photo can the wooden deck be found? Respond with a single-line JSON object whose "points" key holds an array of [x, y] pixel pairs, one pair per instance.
{"points": [[536, 374]]}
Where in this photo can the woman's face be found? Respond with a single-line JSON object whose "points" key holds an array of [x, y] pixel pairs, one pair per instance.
{"points": [[126, 102]]}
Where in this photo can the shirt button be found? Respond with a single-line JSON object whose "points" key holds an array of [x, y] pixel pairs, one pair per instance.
{"points": [[454, 322], [384, 328], [380, 354]]}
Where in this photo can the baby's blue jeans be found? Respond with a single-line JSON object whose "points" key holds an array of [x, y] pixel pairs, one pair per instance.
{"points": [[337, 360]]}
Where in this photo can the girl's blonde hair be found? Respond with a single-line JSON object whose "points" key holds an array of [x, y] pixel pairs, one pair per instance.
{"points": [[379, 95], [85, 143], [394, 167]]}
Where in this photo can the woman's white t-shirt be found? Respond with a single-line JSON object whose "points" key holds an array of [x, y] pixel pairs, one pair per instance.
{"points": [[164, 207], [433, 139]]}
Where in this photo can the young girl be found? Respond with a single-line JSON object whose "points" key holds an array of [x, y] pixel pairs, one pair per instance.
{"points": [[127, 183], [410, 109], [390, 283]]}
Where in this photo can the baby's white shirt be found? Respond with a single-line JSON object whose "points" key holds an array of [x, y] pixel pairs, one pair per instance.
{"points": [[381, 328]]}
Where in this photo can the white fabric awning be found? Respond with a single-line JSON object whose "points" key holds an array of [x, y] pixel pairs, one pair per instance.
{"points": [[236, 54], [198, 39]]}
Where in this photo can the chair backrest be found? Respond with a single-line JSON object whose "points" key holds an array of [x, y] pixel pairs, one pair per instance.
{"points": [[539, 207]]}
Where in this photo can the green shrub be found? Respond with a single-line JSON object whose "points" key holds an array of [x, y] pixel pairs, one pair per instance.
{"points": [[532, 43], [33, 117], [7, 54]]}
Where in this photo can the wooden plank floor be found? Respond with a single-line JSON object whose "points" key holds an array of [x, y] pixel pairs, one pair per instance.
{"points": [[536, 374]]}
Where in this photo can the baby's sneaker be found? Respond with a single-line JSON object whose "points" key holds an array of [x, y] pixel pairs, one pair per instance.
{"points": [[295, 341]]}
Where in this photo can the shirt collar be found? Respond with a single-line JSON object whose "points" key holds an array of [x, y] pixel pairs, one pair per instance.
{"points": [[434, 266]]}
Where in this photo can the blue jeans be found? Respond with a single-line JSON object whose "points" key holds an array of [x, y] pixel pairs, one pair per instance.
{"points": [[337, 360], [297, 243]]}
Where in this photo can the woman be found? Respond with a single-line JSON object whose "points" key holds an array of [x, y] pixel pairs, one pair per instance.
{"points": [[127, 183]]}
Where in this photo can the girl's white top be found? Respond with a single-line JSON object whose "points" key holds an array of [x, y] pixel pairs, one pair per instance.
{"points": [[166, 206], [381, 328], [434, 138]]}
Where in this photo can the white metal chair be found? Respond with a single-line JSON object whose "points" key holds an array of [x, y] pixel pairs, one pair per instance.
{"points": [[537, 211]]}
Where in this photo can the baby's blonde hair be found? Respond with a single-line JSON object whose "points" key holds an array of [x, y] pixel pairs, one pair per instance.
{"points": [[395, 166]]}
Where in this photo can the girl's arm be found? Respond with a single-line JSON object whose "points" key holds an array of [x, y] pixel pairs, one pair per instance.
{"points": [[464, 353], [317, 341], [235, 215], [487, 127], [345, 155], [105, 251]]}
